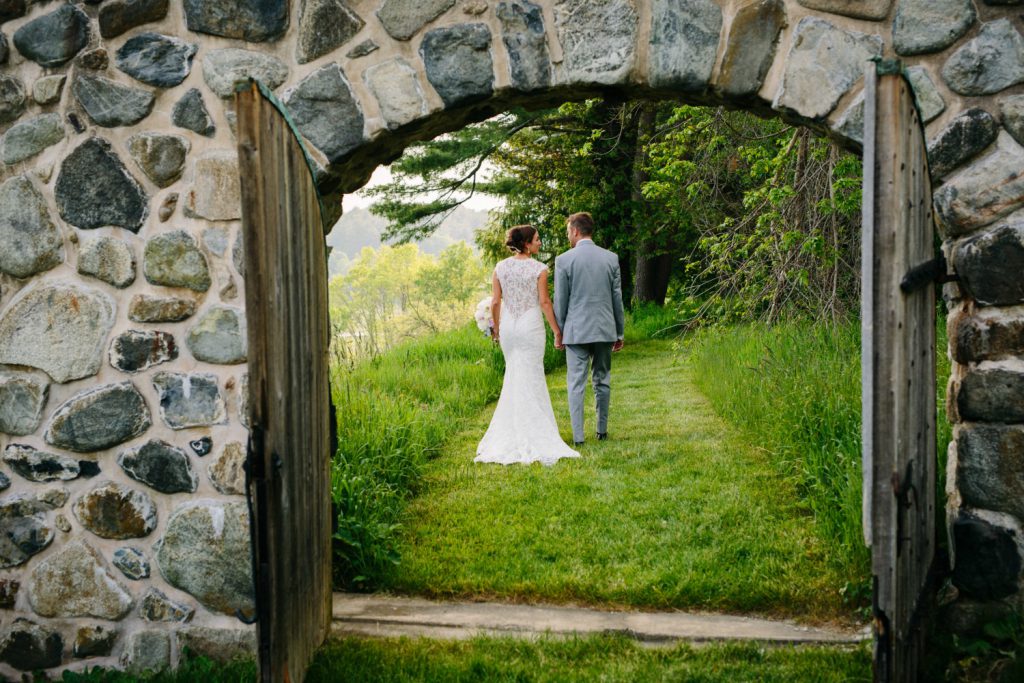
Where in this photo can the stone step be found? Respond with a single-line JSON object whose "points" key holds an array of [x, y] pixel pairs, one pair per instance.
{"points": [[389, 616]]}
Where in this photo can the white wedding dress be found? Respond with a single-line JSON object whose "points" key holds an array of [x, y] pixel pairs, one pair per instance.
{"points": [[523, 428]]}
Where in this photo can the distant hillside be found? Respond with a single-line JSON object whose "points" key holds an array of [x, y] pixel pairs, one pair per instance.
{"points": [[359, 228]]}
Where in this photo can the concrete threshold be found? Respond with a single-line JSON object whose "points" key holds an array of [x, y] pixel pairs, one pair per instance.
{"points": [[390, 616]]}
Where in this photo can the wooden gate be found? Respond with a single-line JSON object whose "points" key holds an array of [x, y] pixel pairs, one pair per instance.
{"points": [[898, 367], [289, 443]]}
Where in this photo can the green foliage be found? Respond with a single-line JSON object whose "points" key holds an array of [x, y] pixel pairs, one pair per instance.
{"points": [[749, 218], [795, 388], [394, 412], [190, 670], [397, 293], [650, 321], [593, 658], [675, 510], [433, 178]]}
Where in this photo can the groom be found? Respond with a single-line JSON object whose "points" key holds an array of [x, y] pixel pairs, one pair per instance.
{"points": [[588, 307]]}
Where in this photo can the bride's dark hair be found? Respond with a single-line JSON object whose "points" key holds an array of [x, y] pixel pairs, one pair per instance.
{"points": [[518, 237]]}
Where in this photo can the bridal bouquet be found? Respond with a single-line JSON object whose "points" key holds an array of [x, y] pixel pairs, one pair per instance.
{"points": [[483, 317]]}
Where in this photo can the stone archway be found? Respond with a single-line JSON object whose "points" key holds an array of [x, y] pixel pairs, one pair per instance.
{"points": [[122, 356]]}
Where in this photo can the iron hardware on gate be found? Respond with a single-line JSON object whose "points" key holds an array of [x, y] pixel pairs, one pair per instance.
{"points": [[926, 273]]}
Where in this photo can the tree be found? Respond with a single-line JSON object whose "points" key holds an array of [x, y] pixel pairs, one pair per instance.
{"points": [[730, 214]]}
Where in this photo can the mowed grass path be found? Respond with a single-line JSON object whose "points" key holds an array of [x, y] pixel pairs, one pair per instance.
{"points": [[675, 510]]}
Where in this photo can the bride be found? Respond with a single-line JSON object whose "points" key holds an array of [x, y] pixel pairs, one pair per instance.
{"points": [[523, 427]]}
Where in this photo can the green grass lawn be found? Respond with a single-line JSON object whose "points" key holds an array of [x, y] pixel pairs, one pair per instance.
{"points": [[597, 658], [676, 510]]}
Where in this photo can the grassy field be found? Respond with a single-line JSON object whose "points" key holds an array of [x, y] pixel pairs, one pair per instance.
{"points": [[794, 391], [599, 658], [676, 510]]}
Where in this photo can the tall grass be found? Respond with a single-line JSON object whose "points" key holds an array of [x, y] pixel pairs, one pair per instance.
{"points": [[394, 412], [795, 389]]}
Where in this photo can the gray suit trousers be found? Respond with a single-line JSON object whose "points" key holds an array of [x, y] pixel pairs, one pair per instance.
{"points": [[577, 358]]}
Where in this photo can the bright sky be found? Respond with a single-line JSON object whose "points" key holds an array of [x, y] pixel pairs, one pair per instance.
{"points": [[478, 202]]}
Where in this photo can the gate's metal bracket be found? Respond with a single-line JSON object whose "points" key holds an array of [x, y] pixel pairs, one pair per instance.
{"points": [[926, 273]]}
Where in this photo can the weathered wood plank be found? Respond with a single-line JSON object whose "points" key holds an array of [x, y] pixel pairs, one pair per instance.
{"points": [[286, 306], [899, 371]]}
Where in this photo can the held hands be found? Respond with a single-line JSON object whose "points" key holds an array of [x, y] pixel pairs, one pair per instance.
{"points": [[558, 341]]}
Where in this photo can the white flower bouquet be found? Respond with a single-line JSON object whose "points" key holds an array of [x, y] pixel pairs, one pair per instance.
{"points": [[483, 317]]}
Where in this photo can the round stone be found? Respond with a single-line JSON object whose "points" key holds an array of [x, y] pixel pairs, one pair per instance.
{"points": [[12, 98], [227, 472], [922, 26], [156, 606], [599, 39], [325, 25], [118, 16], [684, 43], [27, 646], [137, 350], [94, 60], [22, 399], [1011, 111], [988, 189], [111, 104], [47, 89], [750, 50], [107, 259], [161, 157], [24, 530], [458, 63], [929, 100], [190, 113], [189, 400], [31, 242], [132, 563], [964, 138], [26, 139], [216, 192], [200, 553], [160, 466], [988, 558], [223, 68], [36, 465], [147, 652], [155, 309], [57, 328], [74, 582], [990, 62], [94, 641], [823, 64], [219, 336], [115, 511], [158, 60], [94, 189], [402, 19], [99, 418], [250, 20], [54, 38], [219, 644], [173, 259], [397, 90]]}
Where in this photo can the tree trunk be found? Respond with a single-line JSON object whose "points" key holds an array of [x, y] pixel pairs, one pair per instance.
{"points": [[653, 260]]}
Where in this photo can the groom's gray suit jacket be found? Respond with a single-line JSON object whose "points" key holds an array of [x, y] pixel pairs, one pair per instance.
{"points": [[588, 295]]}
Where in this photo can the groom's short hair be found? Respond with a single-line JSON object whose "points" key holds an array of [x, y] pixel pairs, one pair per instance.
{"points": [[582, 222]]}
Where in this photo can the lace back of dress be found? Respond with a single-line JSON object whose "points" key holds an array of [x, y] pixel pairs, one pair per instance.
{"points": [[518, 279]]}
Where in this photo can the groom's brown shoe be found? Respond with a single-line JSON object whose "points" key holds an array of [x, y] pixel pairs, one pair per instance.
{"points": [[577, 443], [602, 436]]}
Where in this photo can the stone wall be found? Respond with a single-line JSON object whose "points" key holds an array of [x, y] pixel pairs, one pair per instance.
{"points": [[122, 321]]}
